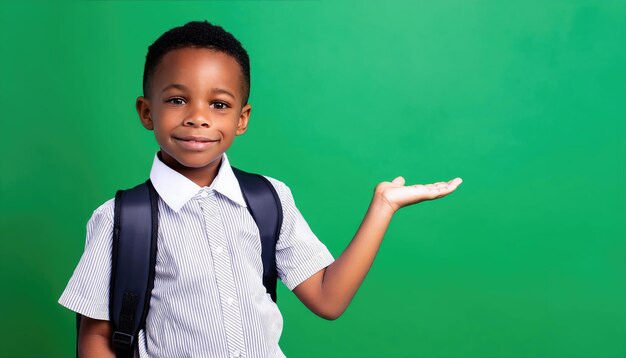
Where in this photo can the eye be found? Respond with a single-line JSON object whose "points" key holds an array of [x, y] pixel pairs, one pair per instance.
{"points": [[176, 101], [219, 105]]}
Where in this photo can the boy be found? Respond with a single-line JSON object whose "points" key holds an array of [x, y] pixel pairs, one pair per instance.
{"points": [[208, 298]]}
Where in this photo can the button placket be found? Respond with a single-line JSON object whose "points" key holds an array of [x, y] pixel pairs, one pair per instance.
{"points": [[224, 275]]}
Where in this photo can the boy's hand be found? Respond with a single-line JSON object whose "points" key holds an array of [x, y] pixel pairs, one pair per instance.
{"points": [[396, 195], [329, 291]]}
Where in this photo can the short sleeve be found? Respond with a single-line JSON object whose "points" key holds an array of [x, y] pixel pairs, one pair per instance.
{"points": [[87, 291], [299, 253]]}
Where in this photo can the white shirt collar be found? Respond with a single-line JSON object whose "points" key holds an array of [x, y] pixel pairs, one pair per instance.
{"points": [[176, 189]]}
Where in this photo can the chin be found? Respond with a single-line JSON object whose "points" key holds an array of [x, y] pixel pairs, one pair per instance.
{"points": [[197, 162]]}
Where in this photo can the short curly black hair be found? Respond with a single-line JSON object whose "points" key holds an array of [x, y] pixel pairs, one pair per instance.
{"points": [[197, 34]]}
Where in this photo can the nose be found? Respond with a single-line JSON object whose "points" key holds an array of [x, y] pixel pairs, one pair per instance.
{"points": [[199, 118]]}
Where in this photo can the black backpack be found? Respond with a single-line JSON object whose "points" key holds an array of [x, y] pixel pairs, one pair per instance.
{"points": [[135, 232]]}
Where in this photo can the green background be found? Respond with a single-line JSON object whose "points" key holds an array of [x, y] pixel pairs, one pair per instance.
{"points": [[525, 100]]}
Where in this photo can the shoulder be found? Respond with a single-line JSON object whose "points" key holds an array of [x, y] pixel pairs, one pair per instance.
{"points": [[283, 190], [277, 184], [100, 225], [104, 212]]}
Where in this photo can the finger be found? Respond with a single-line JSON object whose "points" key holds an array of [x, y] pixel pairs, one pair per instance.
{"points": [[450, 186], [420, 189], [398, 181], [440, 189], [455, 182], [432, 191]]}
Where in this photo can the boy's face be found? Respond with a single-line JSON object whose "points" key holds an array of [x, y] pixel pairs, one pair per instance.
{"points": [[195, 106]]}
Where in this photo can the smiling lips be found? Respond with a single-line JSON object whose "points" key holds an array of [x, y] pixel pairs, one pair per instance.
{"points": [[193, 142]]}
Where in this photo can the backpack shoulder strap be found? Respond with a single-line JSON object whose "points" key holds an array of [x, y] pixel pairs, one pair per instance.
{"points": [[135, 230], [266, 210]]}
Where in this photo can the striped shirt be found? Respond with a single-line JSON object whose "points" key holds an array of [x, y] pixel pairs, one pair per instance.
{"points": [[208, 298]]}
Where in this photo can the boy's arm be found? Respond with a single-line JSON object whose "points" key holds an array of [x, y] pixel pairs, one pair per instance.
{"points": [[94, 339], [329, 291]]}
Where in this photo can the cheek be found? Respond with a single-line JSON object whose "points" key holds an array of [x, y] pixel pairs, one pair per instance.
{"points": [[161, 132], [158, 130], [164, 122], [229, 127]]}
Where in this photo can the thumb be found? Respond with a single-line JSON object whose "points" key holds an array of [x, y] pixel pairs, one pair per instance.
{"points": [[399, 181]]}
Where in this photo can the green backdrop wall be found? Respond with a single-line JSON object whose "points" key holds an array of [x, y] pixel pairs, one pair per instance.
{"points": [[522, 99]]}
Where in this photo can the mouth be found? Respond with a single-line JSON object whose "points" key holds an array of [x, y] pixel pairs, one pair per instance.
{"points": [[194, 142], [194, 138]]}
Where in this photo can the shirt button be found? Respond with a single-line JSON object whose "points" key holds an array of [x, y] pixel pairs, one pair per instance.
{"points": [[230, 301], [219, 250], [236, 354]]}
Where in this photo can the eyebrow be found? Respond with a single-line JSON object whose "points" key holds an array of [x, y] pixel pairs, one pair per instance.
{"points": [[214, 89]]}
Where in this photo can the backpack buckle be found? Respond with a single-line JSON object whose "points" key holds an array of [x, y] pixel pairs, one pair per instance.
{"points": [[122, 340]]}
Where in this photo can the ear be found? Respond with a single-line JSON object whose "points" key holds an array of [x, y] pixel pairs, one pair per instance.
{"points": [[242, 125], [143, 110]]}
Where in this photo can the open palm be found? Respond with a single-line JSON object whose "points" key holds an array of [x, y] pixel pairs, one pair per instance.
{"points": [[397, 195]]}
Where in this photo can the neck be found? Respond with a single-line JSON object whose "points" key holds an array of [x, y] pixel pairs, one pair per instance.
{"points": [[202, 176]]}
